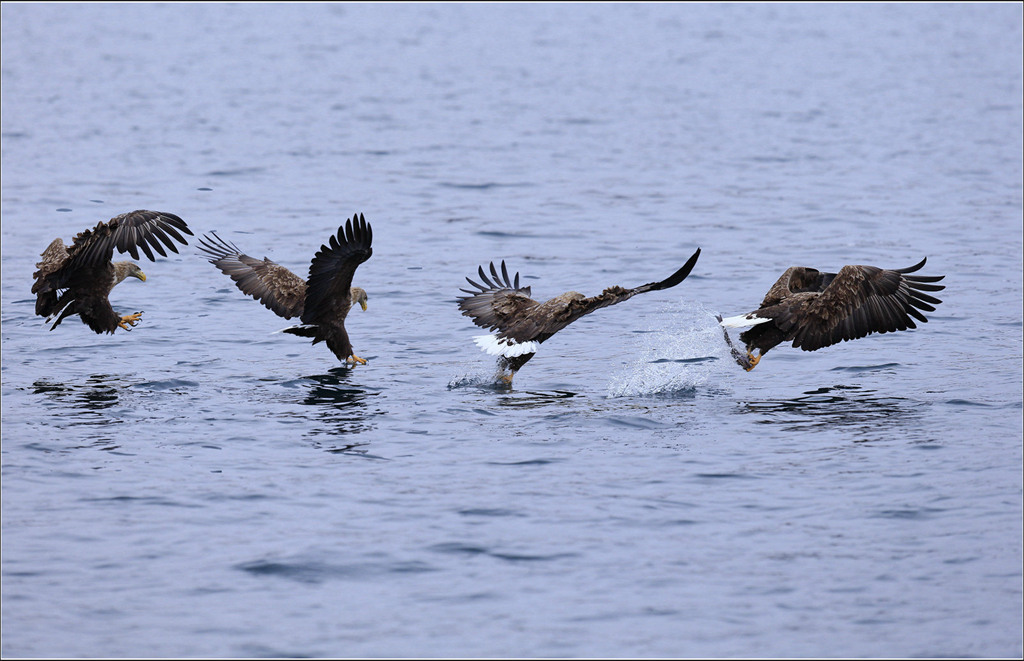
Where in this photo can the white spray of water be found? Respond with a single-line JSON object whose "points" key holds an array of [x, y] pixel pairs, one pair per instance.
{"points": [[678, 353], [479, 377]]}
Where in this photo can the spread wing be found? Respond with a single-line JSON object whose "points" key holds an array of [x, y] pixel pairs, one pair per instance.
{"points": [[47, 277], [500, 304], [277, 288], [328, 287], [578, 307], [93, 249], [148, 230], [503, 306], [860, 300], [796, 280]]}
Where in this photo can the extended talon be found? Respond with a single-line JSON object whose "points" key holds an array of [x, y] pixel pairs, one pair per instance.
{"points": [[752, 360], [128, 320], [355, 359]]}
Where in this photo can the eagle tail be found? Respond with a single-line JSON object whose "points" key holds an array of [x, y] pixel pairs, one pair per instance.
{"points": [[46, 304], [302, 330], [505, 347], [743, 320]]}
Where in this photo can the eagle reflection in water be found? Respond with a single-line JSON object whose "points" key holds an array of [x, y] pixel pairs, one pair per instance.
{"points": [[339, 408]]}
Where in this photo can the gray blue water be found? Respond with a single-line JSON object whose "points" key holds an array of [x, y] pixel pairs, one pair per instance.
{"points": [[202, 486]]}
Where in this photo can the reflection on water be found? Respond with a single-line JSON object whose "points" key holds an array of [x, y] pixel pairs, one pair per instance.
{"points": [[844, 407], [534, 399], [100, 391], [509, 396], [329, 389], [338, 408], [72, 405], [604, 129]]}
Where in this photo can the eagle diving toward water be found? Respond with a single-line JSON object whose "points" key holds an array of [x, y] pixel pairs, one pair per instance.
{"points": [[521, 323], [814, 309], [321, 301], [78, 279]]}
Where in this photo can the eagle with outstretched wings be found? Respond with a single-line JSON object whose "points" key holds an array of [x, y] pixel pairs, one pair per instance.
{"points": [[78, 279], [322, 300], [521, 324], [814, 309]]}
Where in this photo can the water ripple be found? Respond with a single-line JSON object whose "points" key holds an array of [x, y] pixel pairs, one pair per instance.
{"points": [[470, 549], [318, 572]]}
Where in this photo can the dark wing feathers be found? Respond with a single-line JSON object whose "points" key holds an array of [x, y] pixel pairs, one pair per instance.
{"points": [[53, 259], [321, 301], [277, 288], [499, 283], [673, 279], [331, 271], [128, 232], [613, 295], [500, 304], [78, 279], [858, 301]]}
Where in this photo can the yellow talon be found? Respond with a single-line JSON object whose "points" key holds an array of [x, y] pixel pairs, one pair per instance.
{"points": [[355, 359], [754, 360], [129, 320]]}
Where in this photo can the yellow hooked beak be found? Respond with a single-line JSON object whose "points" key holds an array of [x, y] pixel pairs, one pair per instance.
{"points": [[362, 304], [140, 275]]}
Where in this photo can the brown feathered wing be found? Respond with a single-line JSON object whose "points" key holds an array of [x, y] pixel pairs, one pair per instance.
{"points": [[499, 304], [502, 305], [857, 301], [322, 301], [277, 288], [328, 297]]}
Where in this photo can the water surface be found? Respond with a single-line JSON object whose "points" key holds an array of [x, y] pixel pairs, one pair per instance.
{"points": [[202, 486]]}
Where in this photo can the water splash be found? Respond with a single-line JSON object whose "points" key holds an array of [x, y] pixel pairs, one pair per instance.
{"points": [[676, 356], [480, 378]]}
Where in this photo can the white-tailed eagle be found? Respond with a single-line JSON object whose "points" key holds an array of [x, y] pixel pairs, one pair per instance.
{"points": [[813, 309], [322, 300], [78, 279], [521, 324]]}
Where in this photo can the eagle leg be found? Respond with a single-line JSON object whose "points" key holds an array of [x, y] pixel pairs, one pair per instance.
{"points": [[355, 359], [752, 360], [503, 376], [128, 320]]}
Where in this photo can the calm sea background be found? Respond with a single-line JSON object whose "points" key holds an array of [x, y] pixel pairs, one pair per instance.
{"points": [[201, 486]]}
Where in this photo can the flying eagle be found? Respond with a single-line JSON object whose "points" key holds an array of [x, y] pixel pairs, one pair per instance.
{"points": [[322, 301], [815, 309], [522, 323], [78, 280]]}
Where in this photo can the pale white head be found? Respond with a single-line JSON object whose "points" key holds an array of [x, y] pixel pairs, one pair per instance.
{"points": [[358, 295], [123, 270]]}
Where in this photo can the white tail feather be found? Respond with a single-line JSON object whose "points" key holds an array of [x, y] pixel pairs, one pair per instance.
{"points": [[505, 347], [743, 321]]}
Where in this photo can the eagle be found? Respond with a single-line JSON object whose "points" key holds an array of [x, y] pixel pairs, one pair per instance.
{"points": [[78, 279], [813, 309], [321, 301], [522, 324]]}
